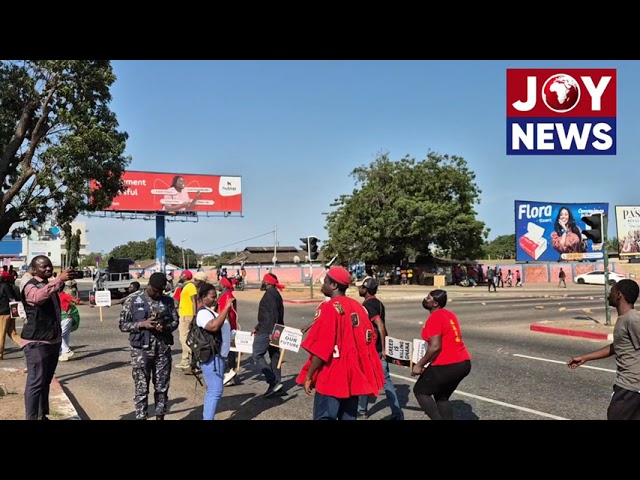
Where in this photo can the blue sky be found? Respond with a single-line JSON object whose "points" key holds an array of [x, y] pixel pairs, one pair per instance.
{"points": [[294, 130]]}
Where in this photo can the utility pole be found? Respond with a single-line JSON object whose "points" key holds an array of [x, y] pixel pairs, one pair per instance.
{"points": [[275, 245], [607, 307]]}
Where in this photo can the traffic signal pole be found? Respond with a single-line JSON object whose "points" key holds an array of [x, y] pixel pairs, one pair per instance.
{"points": [[607, 308], [310, 268]]}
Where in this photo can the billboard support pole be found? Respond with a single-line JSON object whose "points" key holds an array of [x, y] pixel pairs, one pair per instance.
{"points": [[607, 308], [160, 242]]}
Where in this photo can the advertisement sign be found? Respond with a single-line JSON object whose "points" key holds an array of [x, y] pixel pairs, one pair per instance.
{"points": [[551, 232], [48, 248], [628, 227], [172, 192]]}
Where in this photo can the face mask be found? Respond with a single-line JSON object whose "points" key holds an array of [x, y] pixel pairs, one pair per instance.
{"points": [[425, 305]]}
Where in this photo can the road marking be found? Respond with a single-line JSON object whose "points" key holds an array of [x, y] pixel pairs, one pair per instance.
{"points": [[495, 402], [564, 363]]}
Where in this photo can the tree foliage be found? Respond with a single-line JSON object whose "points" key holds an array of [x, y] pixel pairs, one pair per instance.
{"points": [[57, 134], [406, 208], [501, 247], [146, 250]]}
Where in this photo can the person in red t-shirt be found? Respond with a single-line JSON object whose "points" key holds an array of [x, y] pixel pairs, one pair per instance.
{"points": [[225, 297], [447, 361], [343, 362]]}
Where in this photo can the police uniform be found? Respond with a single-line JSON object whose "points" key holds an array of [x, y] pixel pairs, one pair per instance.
{"points": [[150, 349]]}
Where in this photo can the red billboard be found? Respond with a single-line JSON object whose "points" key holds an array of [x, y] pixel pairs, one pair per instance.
{"points": [[172, 192]]}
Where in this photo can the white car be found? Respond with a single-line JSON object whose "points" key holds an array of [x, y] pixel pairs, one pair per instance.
{"points": [[597, 277]]}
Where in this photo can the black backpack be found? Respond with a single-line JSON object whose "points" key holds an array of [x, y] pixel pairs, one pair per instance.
{"points": [[202, 344]]}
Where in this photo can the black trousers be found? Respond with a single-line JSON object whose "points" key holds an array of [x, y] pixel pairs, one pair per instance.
{"points": [[624, 405], [42, 360]]}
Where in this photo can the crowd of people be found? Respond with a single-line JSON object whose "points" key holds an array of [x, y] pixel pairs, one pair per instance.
{"points": [[346, 366]]}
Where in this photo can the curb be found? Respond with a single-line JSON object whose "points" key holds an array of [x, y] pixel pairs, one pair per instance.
{"points": [[302, 301], [572, 333], [62, 402]]}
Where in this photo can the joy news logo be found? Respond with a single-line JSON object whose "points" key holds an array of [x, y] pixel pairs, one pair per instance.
{"points": [[561, 112]]}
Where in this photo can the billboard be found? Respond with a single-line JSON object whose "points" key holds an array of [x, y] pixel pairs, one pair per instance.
{"points": [[628, 227], [552, 232], [174, 192], [49, 248]]}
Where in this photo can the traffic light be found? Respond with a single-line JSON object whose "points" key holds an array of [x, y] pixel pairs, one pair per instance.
{"points": [[595, 232], [313, 248], [310, 245]]}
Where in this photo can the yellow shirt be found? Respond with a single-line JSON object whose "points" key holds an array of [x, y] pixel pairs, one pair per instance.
{"points": [[185, 308]]}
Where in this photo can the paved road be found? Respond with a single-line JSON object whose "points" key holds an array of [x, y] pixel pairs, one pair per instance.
{"points": [[516, 373]]}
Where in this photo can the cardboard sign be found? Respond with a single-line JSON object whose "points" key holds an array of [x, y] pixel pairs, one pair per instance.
{"points": [[398, 351], [242, 342], [102, 298], [286, 338], [17, 310], [419, 350]]}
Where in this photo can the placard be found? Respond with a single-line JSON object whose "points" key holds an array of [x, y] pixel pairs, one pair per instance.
{"points": [[419, 350], [17, 310], [102, 298], [286, 338], [242, 342], [398, 351]]}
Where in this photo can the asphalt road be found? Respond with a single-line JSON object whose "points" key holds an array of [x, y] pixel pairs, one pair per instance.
{"points": [[516, 373]]}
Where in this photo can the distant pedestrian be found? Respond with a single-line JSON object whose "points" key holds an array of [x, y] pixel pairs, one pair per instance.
{"points": [[561, 278], [625, 399], [518, 279]]}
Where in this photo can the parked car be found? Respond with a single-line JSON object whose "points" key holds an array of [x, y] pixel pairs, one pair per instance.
{"points": [[597, 278]]}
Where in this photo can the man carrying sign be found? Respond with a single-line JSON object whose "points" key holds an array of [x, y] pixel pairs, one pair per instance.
{"points": [[270, 313], [368, 288], [343, 363]]}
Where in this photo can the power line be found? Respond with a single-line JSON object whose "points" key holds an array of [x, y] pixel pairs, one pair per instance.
{"points": [[213, 250]]}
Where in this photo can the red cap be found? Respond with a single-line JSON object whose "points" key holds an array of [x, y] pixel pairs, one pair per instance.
{"points": [[340, 275], [187, 274]]}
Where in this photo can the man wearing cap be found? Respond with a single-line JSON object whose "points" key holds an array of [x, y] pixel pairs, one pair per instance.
{"points": [[368, 288], [187, 306], [270, 313], [150, 318], [343, 363]]}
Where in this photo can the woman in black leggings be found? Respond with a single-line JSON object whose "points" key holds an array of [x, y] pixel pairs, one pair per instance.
{"points": [[446, 362]]}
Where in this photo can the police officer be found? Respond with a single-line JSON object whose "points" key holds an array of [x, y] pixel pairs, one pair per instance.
{"points": [[150, 317]]}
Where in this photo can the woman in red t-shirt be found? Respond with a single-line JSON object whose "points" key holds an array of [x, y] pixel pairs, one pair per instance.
{"points": [[446, 362]]}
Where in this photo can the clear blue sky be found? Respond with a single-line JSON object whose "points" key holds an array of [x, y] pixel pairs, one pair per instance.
{"points": [[294, 130]]}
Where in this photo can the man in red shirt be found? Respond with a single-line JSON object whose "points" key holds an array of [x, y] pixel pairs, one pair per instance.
{"points": [[343, 362], [447, 361]]}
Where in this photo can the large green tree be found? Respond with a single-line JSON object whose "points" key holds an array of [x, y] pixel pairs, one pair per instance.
{"points": [[146, 250], [402, 209], [501, 247], [57, 134]]}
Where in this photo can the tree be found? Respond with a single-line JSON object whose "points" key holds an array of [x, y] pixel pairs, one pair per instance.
{"points": [[74, 250], [57, 134], [147, 250], [404, 208], [613, 245], [501, 247]]}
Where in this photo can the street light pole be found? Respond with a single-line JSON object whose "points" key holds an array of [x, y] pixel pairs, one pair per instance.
{"points": [[184, 263]]}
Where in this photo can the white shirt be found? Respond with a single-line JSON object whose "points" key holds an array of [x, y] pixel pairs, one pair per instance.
{"points": [[204, 316]]}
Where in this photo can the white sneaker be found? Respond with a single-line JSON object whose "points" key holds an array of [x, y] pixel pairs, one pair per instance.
{"points": [[65, 357], [228, 377]]}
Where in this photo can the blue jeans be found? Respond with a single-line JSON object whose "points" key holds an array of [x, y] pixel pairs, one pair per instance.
{"points": [[332, 408], [390, 392], [213, 372], [261, 347]]}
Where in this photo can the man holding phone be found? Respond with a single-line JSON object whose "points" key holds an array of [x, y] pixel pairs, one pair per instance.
{"points": [[150, 318]]}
